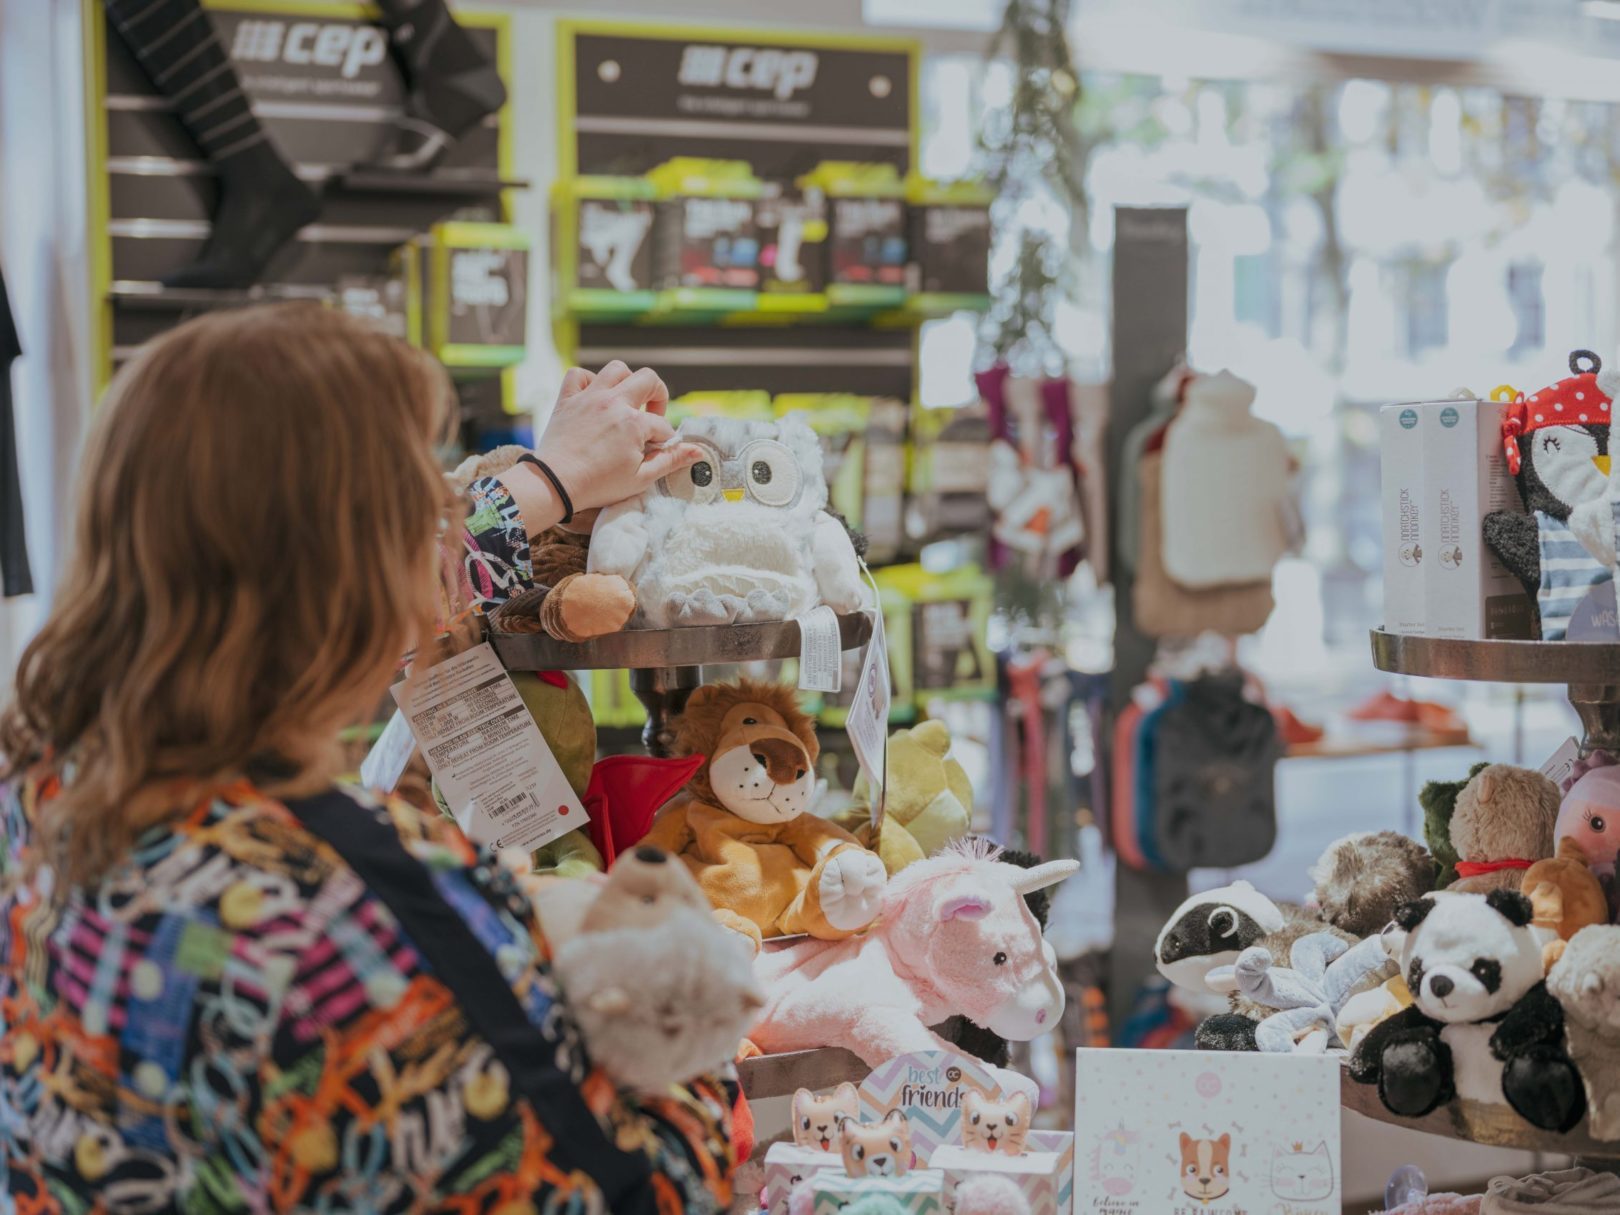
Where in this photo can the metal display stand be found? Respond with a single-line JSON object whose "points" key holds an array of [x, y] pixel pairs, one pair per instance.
{"points": [[1592, 672]]}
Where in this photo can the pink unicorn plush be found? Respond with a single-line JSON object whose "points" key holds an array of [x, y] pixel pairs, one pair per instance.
{"points": [[953, 936]]}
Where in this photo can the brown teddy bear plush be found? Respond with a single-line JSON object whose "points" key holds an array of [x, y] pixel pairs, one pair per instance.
{"points": [[566, 603], [1502, 825], [769, 867]]}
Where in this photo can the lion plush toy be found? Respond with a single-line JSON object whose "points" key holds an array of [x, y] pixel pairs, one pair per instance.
{"points": [[770, 868]]}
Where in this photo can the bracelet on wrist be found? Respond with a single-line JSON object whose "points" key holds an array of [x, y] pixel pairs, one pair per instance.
{"points": [[556, 484]]}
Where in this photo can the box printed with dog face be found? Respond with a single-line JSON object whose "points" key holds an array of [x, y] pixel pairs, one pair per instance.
{"points": [[1206, 1134]]}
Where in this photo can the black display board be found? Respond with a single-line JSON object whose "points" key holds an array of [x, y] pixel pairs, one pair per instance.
{"points": [[322, 81], [633, 97]]}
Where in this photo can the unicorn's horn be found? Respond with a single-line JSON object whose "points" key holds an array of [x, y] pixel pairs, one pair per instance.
{"points": [[1041, 876]]}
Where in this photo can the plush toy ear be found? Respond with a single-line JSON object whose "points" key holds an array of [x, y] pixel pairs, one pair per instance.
{"points": [[962, 907], [846, 1092], [1511, 906], [1410, 915], [895, 1116]]}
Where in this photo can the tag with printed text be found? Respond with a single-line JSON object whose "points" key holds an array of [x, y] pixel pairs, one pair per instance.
{"points": [[492, 765], [821, 667], [868, 721]]}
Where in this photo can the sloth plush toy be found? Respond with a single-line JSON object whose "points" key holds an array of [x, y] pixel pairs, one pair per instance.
{"points": [[1557, 446]]}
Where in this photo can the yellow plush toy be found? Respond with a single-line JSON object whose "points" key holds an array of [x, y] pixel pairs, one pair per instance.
{"points": [[927, 804]]}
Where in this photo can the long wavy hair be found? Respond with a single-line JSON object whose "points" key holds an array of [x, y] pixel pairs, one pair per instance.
{"points": [[253, 551]]}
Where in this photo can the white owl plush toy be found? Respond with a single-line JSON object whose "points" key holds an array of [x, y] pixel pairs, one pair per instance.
{"points": [[741, 536]]}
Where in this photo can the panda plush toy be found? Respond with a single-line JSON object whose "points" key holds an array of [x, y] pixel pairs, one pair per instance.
{"points": [[1482, 1025]]}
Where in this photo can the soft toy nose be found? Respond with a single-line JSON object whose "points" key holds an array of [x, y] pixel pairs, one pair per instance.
{"points": [[782, 760], [648, 855], [1441, 987]]}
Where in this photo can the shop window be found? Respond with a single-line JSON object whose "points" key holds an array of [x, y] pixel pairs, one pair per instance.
{"points": [[1524, 287]]}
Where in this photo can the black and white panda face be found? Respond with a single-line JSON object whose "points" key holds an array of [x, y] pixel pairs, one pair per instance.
{"points": [[1469, 957]]}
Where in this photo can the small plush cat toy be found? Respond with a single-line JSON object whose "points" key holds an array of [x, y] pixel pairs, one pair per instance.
{"points": [[816, 1119], [995, 1126], [876, 1149], [1557, 447]]}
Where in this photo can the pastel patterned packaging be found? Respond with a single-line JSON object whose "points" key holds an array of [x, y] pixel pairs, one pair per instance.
{"points": [[920, 1192], [786, 1165], [1206, 1133], [1044, 1172], [928, 1087]]}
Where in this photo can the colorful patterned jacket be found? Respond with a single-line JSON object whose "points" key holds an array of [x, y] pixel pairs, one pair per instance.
{"points": [[233, 1019]]}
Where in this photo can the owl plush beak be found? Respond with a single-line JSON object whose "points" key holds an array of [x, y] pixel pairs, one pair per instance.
{"points": [[732, 495], [1602, 463]]}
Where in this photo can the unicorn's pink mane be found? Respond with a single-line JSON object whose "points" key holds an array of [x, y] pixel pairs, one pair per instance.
{"points": [[957, 857]]}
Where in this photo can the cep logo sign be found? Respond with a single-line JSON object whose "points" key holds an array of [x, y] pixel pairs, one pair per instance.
{"points": [[768, 69], [310, 43]]}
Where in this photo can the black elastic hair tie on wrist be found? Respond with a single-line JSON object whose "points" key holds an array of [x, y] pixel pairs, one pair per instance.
{"points": [[556, 484]]}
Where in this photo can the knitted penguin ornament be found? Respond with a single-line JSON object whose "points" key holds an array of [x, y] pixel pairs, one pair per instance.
{"points": [[1557, 447]]}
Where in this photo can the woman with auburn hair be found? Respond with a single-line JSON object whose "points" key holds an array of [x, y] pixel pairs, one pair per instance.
{"points": [[226, 983]]}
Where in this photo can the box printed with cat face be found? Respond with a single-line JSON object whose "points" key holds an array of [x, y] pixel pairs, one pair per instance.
{"points": [[1206, 1134], [786, 1165], [1043, 1172]]}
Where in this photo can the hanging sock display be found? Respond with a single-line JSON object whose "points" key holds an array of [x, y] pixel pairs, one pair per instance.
{"points": [[451, 85], [262, 203]]}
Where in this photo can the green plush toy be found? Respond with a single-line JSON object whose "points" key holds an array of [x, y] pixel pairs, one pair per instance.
{"points": [[928, 801], [1439, 801], [563, 714]]}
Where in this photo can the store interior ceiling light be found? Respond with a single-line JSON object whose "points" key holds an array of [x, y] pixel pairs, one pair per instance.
{"points": [[1609, 10]]}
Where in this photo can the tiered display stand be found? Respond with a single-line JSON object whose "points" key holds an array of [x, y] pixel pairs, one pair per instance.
{"points": [[665, 666], [1591, 671]]}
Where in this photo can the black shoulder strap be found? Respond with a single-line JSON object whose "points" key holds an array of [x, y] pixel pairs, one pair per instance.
{"points": [[373, 849]]}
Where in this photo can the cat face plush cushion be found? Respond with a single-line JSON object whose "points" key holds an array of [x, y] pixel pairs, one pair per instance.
{"points": [[816, 1119], [876, 1149], [995, 1126]]}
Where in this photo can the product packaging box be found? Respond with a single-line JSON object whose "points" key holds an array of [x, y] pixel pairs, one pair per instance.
{"points": [[474, 284], [920, 1192], [883, 513], [707, 239], [867, 252], [949, 245], [950, 474], [786, 1165], [1468, 593], [602, 246], [792, 225], [1400, 462], [1044, 1173]]}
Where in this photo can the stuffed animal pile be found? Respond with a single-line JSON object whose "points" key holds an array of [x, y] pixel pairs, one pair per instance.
{"points": [[1482, 969]]}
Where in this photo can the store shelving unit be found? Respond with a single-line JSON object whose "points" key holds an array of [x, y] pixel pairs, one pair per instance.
{"points": [[1591, 671]]}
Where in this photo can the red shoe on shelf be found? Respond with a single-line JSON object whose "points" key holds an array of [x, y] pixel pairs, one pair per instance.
{"points": [[1385, 706]]}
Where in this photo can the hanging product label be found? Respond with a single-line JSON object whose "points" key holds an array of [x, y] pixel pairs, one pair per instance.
{"points": [[500, 780], [385, 763], [1561, 767], [868, 721], [820, 651]]}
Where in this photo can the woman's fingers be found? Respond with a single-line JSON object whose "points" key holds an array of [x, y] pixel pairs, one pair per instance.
{"points": [[655, 429], [645, 390], [665, 460], [611, 376], [577, 380]]}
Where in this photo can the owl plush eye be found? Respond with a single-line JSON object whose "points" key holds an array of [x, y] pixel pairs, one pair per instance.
{"points": [[770, 473], [699, 484]]}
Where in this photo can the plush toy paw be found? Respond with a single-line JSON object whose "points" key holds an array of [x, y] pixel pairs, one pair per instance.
{"points": [[1544, 1088], [699, 607], [582, 606], [1227, 1031], [852, 889], [741, 925], [1414, 1076]]}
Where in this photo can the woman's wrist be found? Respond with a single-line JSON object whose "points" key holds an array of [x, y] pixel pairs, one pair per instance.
{"points": [[538, 502]]}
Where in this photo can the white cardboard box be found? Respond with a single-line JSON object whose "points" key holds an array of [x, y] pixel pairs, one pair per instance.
{"points": [[1468, 593], [1044, 1174], [1400, 462], [787, 1164]]}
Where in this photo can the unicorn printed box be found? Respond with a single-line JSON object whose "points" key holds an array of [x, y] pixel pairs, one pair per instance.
{"points": [[1206, 1133]]}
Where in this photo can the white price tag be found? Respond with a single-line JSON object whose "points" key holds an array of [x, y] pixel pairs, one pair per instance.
{"points": [[868, 721], [821, 666], [1562, 764], [385, 763], [490, 760]]}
